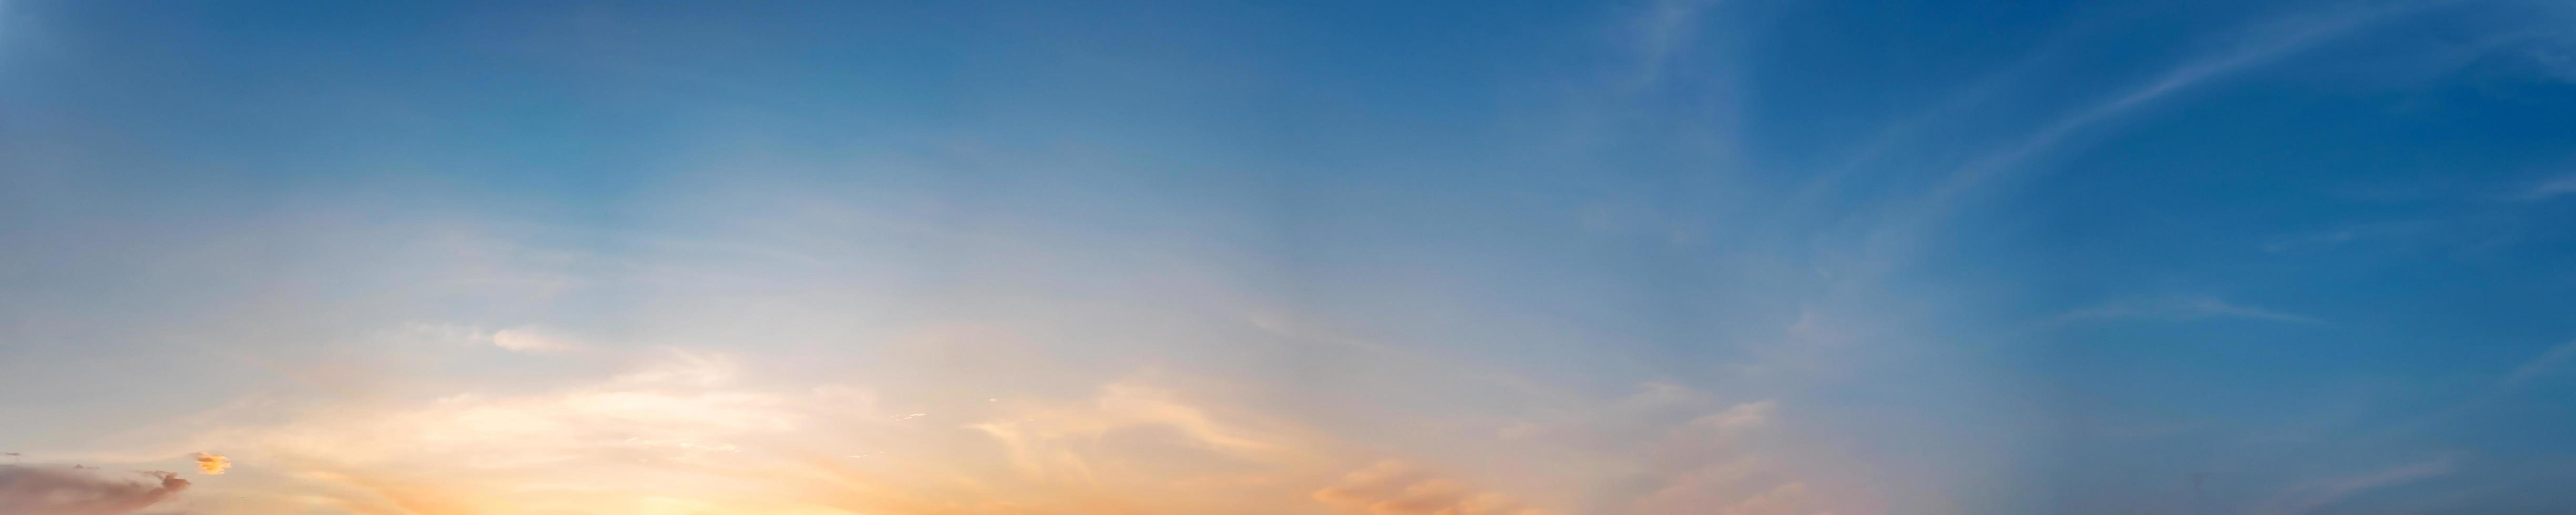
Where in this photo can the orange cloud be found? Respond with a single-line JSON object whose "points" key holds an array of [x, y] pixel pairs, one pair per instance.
{"points": [[1398, 488], [213, 464]]}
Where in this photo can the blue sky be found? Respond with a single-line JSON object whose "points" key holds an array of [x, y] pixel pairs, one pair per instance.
{"points": [[1750, 257]]}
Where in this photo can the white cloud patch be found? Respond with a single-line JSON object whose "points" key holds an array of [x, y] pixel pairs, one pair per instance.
{"points": [[473, 453], [531, 340]]}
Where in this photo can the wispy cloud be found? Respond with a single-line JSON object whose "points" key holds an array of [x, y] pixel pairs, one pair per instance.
{"points": [[689, 429], [1399, 488], [2503, 388], [2263, 45], [1663, 32], [2311, 496], [2538, 366], [2181, 309], [2347, 234], [2549, 189], [528, 339]]}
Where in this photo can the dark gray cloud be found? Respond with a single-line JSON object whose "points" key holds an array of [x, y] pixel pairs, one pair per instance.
{"points": [[54, 490]]}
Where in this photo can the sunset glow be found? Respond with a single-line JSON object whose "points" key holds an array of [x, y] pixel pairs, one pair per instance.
{"points": [[1651, 257]]}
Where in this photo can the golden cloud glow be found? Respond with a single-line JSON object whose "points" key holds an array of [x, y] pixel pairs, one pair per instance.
{"points": [[688, 432], [212, 464]]}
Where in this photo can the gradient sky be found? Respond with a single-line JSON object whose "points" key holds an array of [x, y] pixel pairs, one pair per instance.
{"points": [[1758, 257]]}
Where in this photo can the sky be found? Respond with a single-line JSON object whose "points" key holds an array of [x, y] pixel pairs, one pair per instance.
{"points": [[1739, 257]]}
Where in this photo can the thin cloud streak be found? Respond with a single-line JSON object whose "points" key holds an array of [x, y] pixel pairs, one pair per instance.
{"points": [[2549, 189], [2309, 497], [1900, 231], [2547, 362], [2181, 309]]}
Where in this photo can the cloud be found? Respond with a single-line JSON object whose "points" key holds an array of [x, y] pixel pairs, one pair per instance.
{"points": [[529, 340], [1738, 417], [2181, 309], [1663, 31], [697, 431], [2347, 234], [1399, 488], [2540, 365], [213, 464], [662, 408], [520, 339], [1692, 498], [35, 490], [603, 445], [1151, 428], [1668, 449], [2549, 189], [2548, 361], [688, 431], [2264, 45], [1715, 465], [2308, 497]]}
